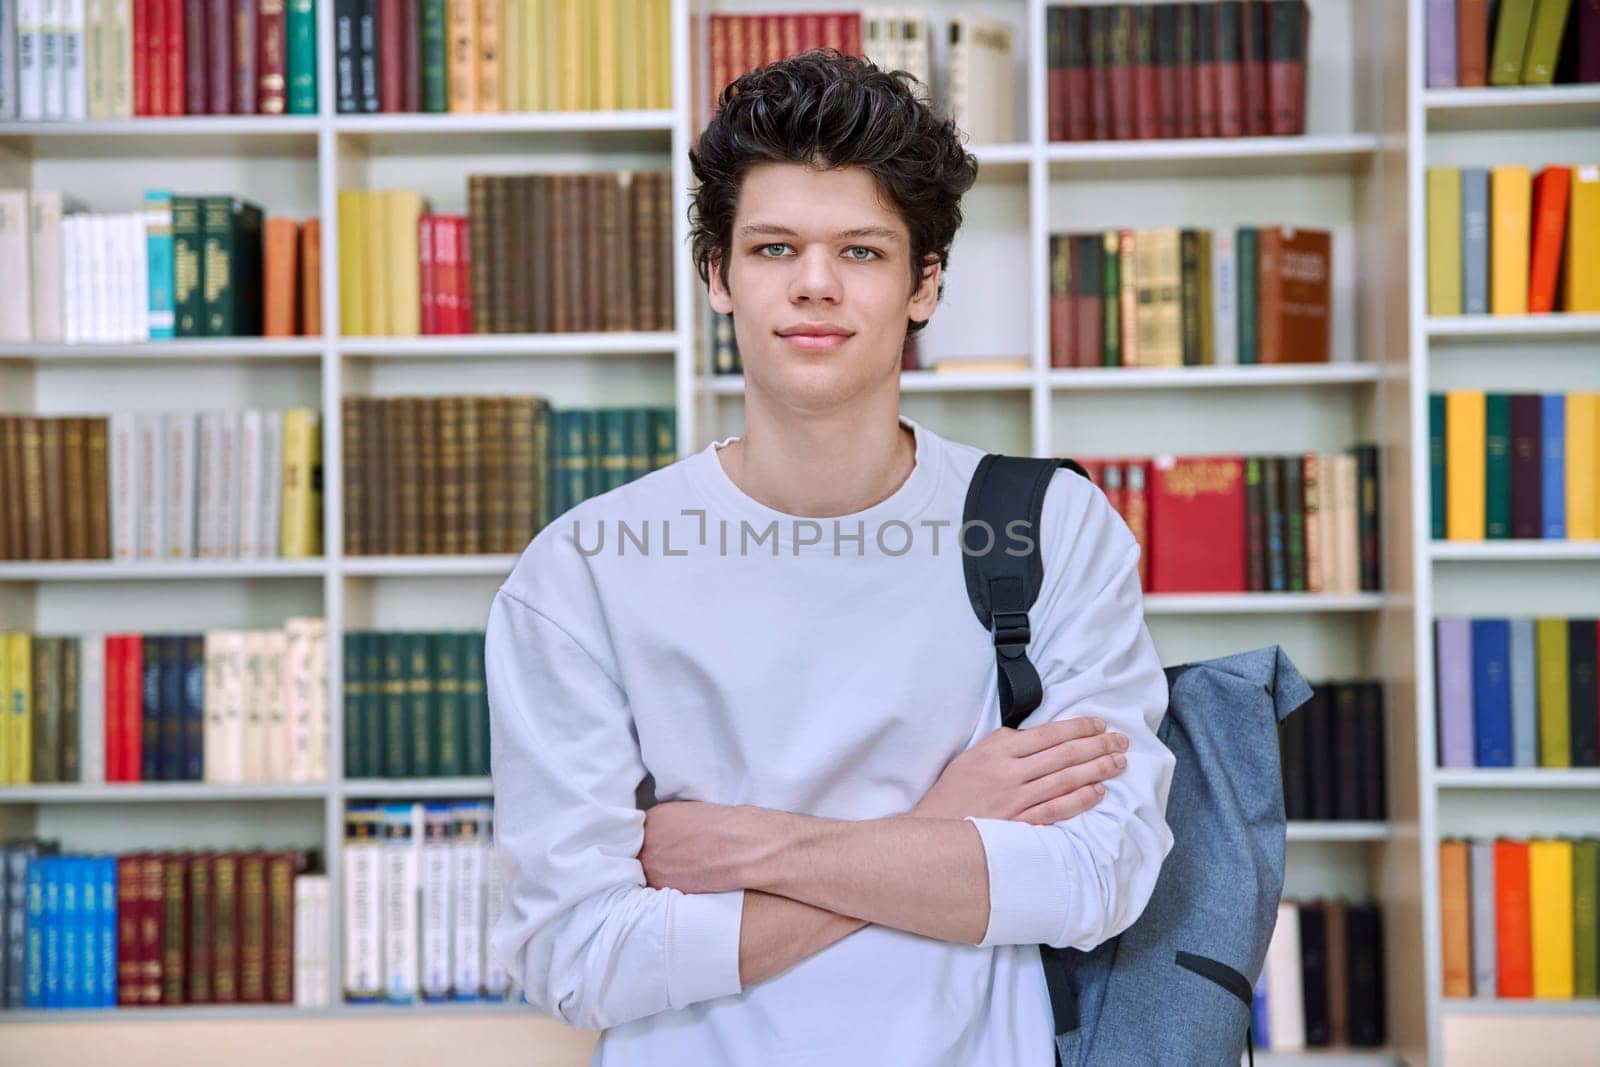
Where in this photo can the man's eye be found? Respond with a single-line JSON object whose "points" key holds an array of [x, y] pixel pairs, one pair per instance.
{"points": [[870, 254], [764, 249]]}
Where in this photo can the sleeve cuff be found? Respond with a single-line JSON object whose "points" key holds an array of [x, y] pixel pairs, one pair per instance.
{"points": [[1026, 884], [703, 946]]}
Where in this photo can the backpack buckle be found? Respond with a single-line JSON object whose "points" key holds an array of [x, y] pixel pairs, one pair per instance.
{"points": [[1011, 633]]}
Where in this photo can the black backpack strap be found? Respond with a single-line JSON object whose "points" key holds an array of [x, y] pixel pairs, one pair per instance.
{"points": [[1001, 583]]}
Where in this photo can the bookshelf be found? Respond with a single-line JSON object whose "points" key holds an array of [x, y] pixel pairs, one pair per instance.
{"points": [[1351, 173], [1551, 352]]}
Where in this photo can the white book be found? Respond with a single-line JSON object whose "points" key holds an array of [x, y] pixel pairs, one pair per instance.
{"points": [[363, 900], [151, 481], [915, 50], [8, 60], [1224, 296], [72, 295], [436, 904], [209, 470], [74, 77], [253, 738], [80, 282], [323, 919], [96, 41], [211, 758], [400, 891], [180, 457], [468, 859], [271, 483], [139, 289], [91, 706], [30, 64], [305, 950], [234, 685], [52, 73], [1485, 973], [317, 743], [1346, 494], [123, 448], [496, 982], [122, 280], [300, 685], [1286, 1020], [276, 683], [16, 297], [96, 259], [226, 497], [874, 39], [250, 458], [46, 208]]}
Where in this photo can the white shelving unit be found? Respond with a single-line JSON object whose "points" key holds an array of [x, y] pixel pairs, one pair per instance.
{"points": [[1349, 174], [1552, 353]]}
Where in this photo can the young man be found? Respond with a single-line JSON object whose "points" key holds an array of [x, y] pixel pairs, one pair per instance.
{"points": [[850, 863]]}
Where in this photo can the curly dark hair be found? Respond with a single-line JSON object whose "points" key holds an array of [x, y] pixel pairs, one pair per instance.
{"points": [[831, 110]]}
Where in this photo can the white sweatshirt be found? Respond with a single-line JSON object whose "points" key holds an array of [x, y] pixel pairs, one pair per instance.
{"points": [[831, 667]]}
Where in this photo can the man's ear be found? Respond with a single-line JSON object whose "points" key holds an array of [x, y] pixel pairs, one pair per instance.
{"points": [[925, 297], [721, 299]]}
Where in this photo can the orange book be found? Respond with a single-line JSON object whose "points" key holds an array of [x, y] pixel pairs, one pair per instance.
{"points": [[1513, 929], [1550, 191], [311, 278], [1455, 918], [279, 284]]}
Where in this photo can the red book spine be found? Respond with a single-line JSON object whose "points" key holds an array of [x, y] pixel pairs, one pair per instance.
{"points": [[790, 28], [132, 707], [111, 700], [141, 56], [852, 34], [1230, 69], [1080, 97], [447, 268], [1169, 110], [412, 41], [152, 914], [194, 57], [1205, 71], [1109, 94], [1146, 82], [833, 31], [271, 68], [130, 911], [1254, 46], [1513, 919], [428, 275], [177, 83], [1056, 75], [244, 57], [391, 56], [155, 46], [719, 37], [1189, 495], [1550, 190], [219, 56], [463, 281], [1087, 304], [1286, 67]]}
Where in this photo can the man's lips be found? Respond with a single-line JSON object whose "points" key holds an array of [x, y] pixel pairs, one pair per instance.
{"points": [[816, 341]]}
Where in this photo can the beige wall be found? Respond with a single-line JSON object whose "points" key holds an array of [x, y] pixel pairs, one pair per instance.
{"points": [[1502, 1040]]}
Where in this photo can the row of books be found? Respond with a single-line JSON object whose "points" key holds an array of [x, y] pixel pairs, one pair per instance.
{"points": [[1333, 755], [415, 705], [1180, 298], [225, 706], [1321, 984], [1517, 692], [535, 253], [1517, 919], [151, 929], [161, 485], [183, 266], [1503, 241], [502, 55], [1514, 465], [1235, 524], [1221, 68], [421, 895], [464, 475], [110, 59], [1528, 42]]}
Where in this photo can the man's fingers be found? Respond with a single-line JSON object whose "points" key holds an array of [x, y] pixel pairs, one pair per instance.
{"points": [[1070, 779], [1071, 754], [1038, 738], [1064, 807]]}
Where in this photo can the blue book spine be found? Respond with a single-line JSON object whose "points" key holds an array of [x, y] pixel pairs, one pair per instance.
{"points": [[158, 255], [1524, 696], [1258, 1013], [1475, 240], [108, 930], [1553, 462], [33, 989], [171, 757], [1491, 691], [71, 934], [150, 728], [52, 932], [89, 932], [194, 712]]}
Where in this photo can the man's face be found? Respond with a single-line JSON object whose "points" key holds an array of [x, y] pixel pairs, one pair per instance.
{"points": [[819, 284]]}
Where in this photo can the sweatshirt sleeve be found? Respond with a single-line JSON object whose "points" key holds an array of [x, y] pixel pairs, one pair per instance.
{"points": [[584, 935], [1086, 879]]}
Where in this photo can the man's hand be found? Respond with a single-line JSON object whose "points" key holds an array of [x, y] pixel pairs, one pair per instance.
{"points": [[1040, 775], [698, 847]]}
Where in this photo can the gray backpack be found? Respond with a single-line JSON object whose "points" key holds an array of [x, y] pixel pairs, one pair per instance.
{"points": [[1175, 987]]}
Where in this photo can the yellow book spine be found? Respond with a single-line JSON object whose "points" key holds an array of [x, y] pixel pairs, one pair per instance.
{"points": [[1583, 516], [1510, 207], [1550, 887], [489, 40], [662, 63], [1464, 459], [1582, 285], [1444, 240], [404, 214], [5, 708], [555, 21], [19, 708], [1550, 648], [531, 73], [379, 265], [511, 39], [294, 523], [463, 70], [630, 61], [607, 32], [353, 306], [573, 96]]}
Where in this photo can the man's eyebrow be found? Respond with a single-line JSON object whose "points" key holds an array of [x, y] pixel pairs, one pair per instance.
{"points": [[772, 229]]}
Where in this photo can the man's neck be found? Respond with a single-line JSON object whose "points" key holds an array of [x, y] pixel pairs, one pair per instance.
{"points": [[821, 466]]}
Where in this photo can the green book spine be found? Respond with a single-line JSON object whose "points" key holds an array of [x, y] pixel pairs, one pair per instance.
{"points": [[1497, 466], [641, 454], [1294, 516], [1586, 917], [474, 705], [1544, 42], [396, 727], [1111, 302], [447, 698], [558, 448], [419, 704], [216, 230], [302, 56], [1189, 295], [1510, 42], [70, 756], [188, 268], [664, 431], [46, 708], [372, 702], [433, 57], [613, 448], [590, 419], [1436, 478], [1555, 725], [1246, 284], [357, 761]]}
